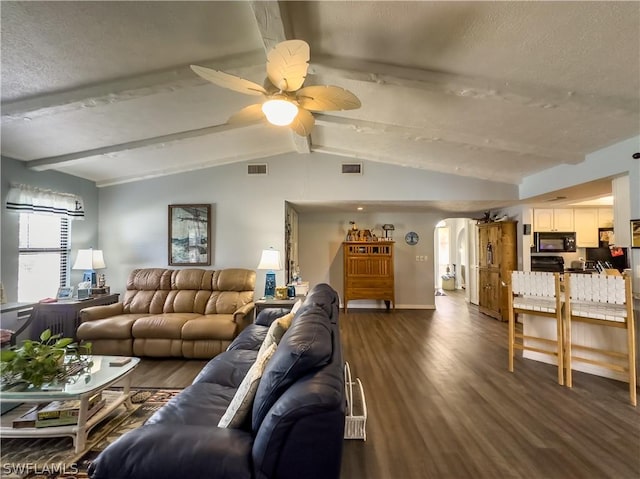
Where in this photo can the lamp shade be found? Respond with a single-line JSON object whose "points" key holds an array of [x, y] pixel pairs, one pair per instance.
{"points": [[270, 260], [89, 259]]}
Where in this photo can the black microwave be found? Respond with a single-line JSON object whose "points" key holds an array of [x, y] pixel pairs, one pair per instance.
{"points": [[554, 242]]}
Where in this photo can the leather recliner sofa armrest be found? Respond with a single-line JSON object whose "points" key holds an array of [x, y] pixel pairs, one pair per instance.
{"points": [[93, 313], [242, 316]]}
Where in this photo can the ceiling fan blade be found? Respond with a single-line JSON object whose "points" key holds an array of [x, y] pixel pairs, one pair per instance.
{"points": [[303, 123], [287, 64], [227, 80], [250, 114], [326, 98]]}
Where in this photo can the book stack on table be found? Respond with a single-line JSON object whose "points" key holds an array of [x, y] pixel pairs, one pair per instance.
{"points": [[58, 413]]}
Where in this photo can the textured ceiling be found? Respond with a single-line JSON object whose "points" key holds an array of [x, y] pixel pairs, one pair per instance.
{"points": [[492, 90]]}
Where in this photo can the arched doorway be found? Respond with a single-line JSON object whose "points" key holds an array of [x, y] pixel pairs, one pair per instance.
{"points": [[454, 257]]}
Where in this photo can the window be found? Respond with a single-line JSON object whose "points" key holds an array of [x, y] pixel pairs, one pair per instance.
{"points": [[43, 256]]}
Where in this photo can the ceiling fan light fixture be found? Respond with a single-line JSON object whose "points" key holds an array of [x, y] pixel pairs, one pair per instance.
{"points": [[279, 112]]}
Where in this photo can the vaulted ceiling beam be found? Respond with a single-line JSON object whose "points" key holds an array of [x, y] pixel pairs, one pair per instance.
{"points": [[246, 65], [526, 95], [269, 22], [71, 158], [447, 136]]}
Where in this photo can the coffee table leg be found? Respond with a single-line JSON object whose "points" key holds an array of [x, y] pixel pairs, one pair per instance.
{"points": [[127, 392], [80, 438]]}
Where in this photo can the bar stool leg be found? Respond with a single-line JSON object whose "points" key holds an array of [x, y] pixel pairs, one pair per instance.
{"points": [[560, 346], [512, 332], [631, 345]]}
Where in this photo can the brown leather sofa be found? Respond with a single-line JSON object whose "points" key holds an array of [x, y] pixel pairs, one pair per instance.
{"points": [[191, 313]]}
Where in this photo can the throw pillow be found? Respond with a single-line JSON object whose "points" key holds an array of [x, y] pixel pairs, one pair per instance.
{"points": [[296, 306], [276, 331], [242, 401]]}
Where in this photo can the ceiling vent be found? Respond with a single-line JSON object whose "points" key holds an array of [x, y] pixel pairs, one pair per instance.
{"points": [[351, 168], [557, 198], [257, 169]]}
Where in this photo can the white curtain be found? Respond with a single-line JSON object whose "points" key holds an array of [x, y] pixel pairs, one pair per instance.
{"points": [[30, 199]]}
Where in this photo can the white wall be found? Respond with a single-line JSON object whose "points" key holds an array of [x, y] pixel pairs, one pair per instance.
{"points": [[321, 258], [84, 234], [249, 212]]}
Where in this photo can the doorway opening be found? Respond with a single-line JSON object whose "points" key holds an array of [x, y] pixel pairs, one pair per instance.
{"points": [[454, 253]]}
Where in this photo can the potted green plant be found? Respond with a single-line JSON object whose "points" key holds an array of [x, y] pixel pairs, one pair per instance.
{"points": [[52, 359]]}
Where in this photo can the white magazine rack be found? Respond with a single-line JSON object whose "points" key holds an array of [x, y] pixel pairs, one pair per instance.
{"points": [[356, 414]]}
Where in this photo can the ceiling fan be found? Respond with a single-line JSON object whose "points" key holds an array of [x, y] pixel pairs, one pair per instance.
{"points": [[285, 101]]}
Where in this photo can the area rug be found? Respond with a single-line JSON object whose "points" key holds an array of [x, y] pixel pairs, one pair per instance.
{"points": [[55, 458]]}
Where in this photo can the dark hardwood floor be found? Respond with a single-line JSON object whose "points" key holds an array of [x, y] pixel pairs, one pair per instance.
{"points": [[443, 405]]}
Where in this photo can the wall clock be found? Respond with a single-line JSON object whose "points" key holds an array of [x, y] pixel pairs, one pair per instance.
{"points": [[411, 238]]}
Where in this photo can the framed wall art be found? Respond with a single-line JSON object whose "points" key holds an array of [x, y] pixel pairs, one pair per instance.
{"points": [[635, 233], [189, 234]]}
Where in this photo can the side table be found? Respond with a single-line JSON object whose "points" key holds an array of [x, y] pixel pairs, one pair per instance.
{"points": [[261, 304], [64, 316]]}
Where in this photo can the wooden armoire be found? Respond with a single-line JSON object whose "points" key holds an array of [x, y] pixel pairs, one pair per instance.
{"points": [[368, 271], [497, 257]]}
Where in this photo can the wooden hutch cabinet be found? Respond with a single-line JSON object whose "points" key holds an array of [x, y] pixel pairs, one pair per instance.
{"points": [[497, 258], [368, 271]]}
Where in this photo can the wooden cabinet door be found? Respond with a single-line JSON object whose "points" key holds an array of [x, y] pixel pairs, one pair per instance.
{"points": [[563, 219], [586, 226], [489, 245], [550, 219], [605, 217], [543, 219], [489, 294]]}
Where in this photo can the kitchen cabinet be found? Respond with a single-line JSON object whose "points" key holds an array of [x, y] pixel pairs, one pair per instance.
{"points": [[553, 219], [497, 258], [586, 227], [368, 271], [605, 217]]}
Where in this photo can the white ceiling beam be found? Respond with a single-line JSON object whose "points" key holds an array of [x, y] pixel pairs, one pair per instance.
{"points": [[527, 95], [269, 21], [53, 162], [301, 143], [246, 65], [269, 151], [432, 135]]}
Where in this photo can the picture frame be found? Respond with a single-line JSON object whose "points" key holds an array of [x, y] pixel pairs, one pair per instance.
{"points": [[65, 293], [635, 233], [189, 235]]}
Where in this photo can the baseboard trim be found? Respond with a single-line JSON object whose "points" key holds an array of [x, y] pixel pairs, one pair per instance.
{"points": [[383, 307]]}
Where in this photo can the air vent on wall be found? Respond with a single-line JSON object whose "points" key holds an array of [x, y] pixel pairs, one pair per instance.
{"points": [[352, 168], [257, 169]]}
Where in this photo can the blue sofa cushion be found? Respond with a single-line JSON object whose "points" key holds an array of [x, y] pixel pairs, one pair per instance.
{"points": [[228, 368], [200, 403], [250, 337], [324, 296], [307, 345], [269, 315]]}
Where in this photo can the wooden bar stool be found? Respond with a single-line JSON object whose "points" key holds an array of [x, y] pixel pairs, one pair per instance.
{"points": [[538, 294], [602, 300]]}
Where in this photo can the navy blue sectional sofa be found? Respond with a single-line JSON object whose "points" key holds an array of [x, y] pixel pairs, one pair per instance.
{"points": [[296, 427]]}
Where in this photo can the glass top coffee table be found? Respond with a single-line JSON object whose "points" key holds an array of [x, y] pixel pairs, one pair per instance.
{"points": [[99, 377]]}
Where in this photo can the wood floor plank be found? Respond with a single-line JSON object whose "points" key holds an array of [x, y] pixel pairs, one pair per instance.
{"points": [[442, 404]]}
